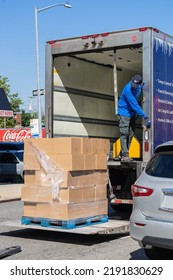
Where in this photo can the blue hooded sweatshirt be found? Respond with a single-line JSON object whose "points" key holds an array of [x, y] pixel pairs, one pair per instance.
{"points": [[128, 103]]}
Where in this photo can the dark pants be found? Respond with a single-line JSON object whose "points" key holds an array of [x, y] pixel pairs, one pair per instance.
{"points": [[127, 130]]}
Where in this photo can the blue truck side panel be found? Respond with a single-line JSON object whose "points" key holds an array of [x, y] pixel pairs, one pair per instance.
{"points": [[162, 91]]}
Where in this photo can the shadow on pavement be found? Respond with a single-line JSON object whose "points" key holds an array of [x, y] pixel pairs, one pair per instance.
{"points": [[86, 240], [138, 255]]}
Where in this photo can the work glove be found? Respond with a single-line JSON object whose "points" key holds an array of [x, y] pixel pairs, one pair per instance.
{"points": [[142, 85], [147, 122]]}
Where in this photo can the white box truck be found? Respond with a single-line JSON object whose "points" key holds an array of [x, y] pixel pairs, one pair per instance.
{"points": [[84, 79]]}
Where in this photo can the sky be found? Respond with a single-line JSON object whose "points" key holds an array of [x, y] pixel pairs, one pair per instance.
{"points": [[17, 40]]}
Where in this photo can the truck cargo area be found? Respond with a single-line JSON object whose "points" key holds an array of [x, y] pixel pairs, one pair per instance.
{"points": [[88, 84]]}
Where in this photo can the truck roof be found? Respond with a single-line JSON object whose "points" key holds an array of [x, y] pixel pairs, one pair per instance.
{"points": [[107, 33]]}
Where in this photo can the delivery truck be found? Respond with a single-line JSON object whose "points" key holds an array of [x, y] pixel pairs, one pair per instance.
{"points": [[84, 79]]}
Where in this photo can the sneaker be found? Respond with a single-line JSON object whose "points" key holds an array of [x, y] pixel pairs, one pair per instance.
{"points": [[126, 159]]}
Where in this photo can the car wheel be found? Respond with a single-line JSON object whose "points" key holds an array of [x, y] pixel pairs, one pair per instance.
{"points": [[156, 253]]}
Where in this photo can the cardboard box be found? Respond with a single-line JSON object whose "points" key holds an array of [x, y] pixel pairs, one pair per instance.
{"points": [[41, 178], [99, 177], [28, 194], [44, 144], [70, 178], [84, 178], [73, 194], [65, 153], [86, 146], [30, 210], [68, 211], [101, 161], [100, 192], [27, 147], [67, 146], [30, 160], [37, 194], [75, 179], [101, 146], [70, 162], [30, 177], [89, 162], [36, 177]]}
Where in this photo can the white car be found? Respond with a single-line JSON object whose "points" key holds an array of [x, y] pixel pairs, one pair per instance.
{"points": [[151, 221]]}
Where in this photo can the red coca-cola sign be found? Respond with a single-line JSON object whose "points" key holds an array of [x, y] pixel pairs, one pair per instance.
{"points": [[16, 135]]}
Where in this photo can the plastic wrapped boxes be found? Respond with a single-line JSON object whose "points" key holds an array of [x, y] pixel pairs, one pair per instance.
{"points": [[65, 178]]}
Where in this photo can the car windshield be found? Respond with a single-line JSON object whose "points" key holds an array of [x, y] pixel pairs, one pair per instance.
{"points": [[161, 165], [7, 157], [19, 155]]}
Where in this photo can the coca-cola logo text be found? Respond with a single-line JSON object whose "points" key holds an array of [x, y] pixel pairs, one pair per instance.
{"points": [[16, 135]]}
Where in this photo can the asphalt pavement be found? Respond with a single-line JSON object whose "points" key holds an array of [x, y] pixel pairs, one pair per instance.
{"points": [[10, 192]]}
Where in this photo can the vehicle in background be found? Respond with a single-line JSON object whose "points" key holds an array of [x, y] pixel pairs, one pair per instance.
{"points": [[151, 221], [11, 166], [11, 146], [84, 79]]}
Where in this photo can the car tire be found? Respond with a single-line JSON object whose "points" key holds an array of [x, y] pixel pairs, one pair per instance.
{"points": [[156, 253]]}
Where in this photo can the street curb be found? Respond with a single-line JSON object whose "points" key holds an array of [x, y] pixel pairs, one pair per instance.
{"points": [[9, 199]]}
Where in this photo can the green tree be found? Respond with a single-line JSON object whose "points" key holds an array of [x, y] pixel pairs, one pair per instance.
{"points": [[26, 118], [15, 102], [4, 83]]}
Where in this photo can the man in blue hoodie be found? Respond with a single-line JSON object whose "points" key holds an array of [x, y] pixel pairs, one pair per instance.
{"points": [[128, 108]]}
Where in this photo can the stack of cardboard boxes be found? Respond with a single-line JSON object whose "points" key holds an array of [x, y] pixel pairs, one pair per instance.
{"points": [[65, 178]]}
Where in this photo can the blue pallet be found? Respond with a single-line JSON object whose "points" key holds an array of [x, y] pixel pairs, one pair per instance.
{"points": [[65, 224]]}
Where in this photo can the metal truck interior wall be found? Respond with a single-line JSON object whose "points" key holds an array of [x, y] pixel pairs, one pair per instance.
{"points": [[83, 93]]}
